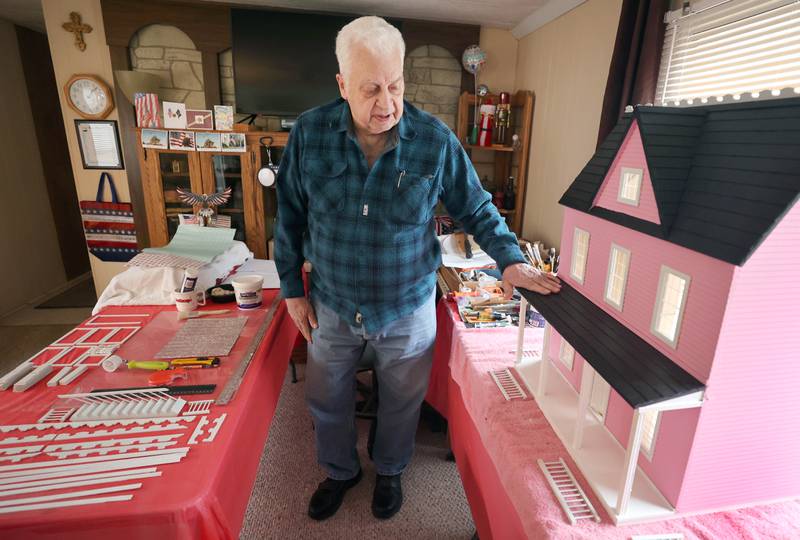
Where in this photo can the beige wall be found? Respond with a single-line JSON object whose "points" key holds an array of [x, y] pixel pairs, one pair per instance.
{"points": [[499, 71], [95, 60], [565, 63], [28, 243]]}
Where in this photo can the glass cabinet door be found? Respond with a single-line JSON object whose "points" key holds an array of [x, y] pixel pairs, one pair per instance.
{"points": [[228, 173], [174, 171]]}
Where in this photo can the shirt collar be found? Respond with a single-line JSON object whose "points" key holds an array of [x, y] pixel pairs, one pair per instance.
{"points": [[404, 128]]}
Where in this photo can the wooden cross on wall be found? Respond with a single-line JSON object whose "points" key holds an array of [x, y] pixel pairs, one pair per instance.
{"points": [[78, 28]]}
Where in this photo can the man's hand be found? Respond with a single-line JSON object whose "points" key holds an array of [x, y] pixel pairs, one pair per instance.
{"points": [[528, 277], [302, 313]]}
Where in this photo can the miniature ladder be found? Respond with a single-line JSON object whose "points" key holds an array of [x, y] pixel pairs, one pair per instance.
{"points": [[572, 498], [507, 384]]}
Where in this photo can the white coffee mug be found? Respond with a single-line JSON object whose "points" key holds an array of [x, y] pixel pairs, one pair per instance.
{"points": [[186, 302]]}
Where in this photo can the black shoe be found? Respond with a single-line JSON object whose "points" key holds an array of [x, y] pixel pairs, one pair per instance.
{"points": [[328, 497], [388, 496]]}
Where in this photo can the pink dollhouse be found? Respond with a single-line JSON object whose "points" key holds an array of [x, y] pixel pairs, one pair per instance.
{"points": [[671, 365]]}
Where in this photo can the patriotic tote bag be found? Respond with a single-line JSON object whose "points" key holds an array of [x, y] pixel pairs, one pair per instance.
{"points": [[108, 226]]}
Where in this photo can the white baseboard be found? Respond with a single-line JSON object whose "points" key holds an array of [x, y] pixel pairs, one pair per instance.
{"points": [[44, 297]]}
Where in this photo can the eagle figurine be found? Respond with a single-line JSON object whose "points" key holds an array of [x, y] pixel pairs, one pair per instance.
{"points": [[209, 203]]}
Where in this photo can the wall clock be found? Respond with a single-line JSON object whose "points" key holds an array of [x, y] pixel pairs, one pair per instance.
{"points": [[89, 96]]}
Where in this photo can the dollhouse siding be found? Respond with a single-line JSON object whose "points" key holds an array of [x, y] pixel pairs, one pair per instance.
{"points": [[573, 376], [674, 436], [748, 438], [705, 304], [631, 154], [672, 446]]}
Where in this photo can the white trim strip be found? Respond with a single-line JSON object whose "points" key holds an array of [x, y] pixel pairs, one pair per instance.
{"points": [[81, 478], [6, 470], [104, 466], [62, 504], [66, 485], [70, 495]]}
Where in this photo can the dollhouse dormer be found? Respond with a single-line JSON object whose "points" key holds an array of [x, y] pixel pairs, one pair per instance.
{"points": [[669, 355]]}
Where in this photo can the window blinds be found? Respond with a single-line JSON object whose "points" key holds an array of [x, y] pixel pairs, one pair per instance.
{"points": [[729, 50]]}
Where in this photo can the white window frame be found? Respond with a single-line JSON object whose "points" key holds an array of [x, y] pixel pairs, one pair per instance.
{"points": [[609, 276], [647, 446], [662, 283], [598, 397], [639, 174], [585, 256], [566, 353]]}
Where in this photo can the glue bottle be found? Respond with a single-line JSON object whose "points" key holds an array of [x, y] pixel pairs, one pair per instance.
{"points": [[189, 280]]}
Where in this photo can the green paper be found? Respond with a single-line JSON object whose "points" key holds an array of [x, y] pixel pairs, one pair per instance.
{"points": [[195, 242]]}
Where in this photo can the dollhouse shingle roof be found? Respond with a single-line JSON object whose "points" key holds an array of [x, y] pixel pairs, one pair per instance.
{"points": [[636, 370], [723, 175]]}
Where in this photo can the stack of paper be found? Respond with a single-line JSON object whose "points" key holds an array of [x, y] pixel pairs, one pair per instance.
{"points": [[195, 242]]}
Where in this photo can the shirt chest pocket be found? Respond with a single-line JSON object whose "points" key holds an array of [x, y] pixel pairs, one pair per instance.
{"points": [[325, 184], [415, 197]]}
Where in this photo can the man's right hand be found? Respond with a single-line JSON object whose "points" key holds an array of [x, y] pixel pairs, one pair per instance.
{"points": [[302, 313]]}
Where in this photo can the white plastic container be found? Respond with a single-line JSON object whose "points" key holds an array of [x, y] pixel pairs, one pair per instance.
{"points": [[248, 291]]}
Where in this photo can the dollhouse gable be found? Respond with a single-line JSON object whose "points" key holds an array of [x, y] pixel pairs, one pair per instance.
{"points": [[722, 175], [627, 188]]}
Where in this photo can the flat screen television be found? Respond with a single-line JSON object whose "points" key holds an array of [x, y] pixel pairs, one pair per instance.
{"points": [[284, 62]]}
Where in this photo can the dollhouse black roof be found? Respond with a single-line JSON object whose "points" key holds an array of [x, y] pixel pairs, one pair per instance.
{"points": [[636, 370], [723, 175]]}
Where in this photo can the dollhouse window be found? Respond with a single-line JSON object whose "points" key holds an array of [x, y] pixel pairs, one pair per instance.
{"points": [[566, 354], [598, 402], [670, 303], [580, 251], [650, 423], [617, 277], [630, 186]]}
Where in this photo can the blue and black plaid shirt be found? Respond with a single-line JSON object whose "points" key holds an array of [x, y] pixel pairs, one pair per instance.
{"points": [[368, 232]]}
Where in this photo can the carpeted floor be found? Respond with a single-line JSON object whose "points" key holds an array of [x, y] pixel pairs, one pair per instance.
{"points": [[435, 506]]}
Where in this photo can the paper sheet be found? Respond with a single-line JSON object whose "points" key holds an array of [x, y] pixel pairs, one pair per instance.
{"points": [[204, 337], [259, 267], [452, 258], [193, 241]]}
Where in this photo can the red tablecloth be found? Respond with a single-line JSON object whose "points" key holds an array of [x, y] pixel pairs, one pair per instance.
{"points": [[206, 494], [497, 443]]}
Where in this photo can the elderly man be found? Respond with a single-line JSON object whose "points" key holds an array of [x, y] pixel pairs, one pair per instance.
{"points": [[357, 188]]}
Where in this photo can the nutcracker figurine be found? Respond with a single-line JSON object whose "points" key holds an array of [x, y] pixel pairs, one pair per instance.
{"points": [[503, 119]]}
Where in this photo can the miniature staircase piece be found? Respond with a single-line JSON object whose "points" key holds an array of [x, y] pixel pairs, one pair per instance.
{"points": [[126, 404], [198, 407], [56, 414], [572, 498], [96, 423], [212, 433], [508, 384], [198, 430]]}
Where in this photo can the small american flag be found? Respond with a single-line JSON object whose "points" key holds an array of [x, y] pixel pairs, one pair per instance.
{"points": [[181, 139], [148, 110]]}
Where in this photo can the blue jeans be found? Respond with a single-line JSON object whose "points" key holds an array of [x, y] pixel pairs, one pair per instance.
{"points": [[404, 354]]}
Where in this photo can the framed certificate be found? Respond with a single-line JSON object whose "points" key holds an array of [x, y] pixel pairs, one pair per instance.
{"points": [[99, 144]]}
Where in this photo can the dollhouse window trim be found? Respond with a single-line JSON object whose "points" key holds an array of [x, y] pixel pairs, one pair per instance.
{"points": [[609, 276], [648, 444], [566, 353], [601, 385], [628, 177], [584, 256], [666, 271]]}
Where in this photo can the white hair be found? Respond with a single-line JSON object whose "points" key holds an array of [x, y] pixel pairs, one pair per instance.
{"points": [[374, 34]]}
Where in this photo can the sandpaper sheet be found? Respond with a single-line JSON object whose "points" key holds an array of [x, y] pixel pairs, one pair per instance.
{"points": [[204, 337]]}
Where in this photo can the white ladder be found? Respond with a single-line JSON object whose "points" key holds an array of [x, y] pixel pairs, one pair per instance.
{"points": [[572, 498], [507, 384]]}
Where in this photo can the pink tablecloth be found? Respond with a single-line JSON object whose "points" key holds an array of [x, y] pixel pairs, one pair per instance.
{"points": [[497, 443], [206, 494]]}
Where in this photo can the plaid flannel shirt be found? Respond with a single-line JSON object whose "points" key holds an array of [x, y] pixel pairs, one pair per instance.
{"points": [[369, 232]]}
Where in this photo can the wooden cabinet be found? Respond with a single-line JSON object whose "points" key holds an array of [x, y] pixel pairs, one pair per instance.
{"points": [[252, 207], [505, 160]]}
